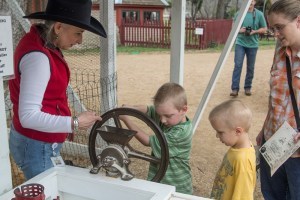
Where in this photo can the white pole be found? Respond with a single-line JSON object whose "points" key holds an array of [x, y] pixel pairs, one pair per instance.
{"points": [[5, 169], [229, 43], [18, 14], [177, 41], [107, 57]]}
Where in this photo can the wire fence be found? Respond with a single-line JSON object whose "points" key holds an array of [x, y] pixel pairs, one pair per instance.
{"points": [[88, 88]]}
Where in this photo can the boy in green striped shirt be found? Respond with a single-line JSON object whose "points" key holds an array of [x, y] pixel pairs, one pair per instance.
{"points": [[169, 112]]}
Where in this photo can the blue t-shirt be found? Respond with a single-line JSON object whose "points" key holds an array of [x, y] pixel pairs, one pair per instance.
{"points": [[255, 20]]}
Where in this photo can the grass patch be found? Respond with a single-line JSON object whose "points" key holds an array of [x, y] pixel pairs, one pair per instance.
{"points": [[137, 50], [263, 44], [81, 51], [217, 48]]}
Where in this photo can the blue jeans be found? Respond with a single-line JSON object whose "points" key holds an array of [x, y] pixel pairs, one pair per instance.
{"points": [[285, 182], [32, 156], [239, 54]]}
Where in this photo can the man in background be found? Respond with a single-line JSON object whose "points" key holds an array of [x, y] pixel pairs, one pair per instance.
{"points": [[247, 44]]}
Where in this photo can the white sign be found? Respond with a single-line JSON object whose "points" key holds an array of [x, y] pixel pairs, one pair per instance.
{"points": [[6, 47], [279, 147], [199, 31]]}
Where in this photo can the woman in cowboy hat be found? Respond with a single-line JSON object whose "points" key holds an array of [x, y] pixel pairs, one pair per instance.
{"points": [[42, 119]]}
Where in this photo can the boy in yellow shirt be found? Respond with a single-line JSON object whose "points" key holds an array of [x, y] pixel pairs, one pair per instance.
{"points": [[236, 177]]}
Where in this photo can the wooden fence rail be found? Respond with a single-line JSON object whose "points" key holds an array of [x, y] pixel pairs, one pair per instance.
{"points": [[154, 34]]}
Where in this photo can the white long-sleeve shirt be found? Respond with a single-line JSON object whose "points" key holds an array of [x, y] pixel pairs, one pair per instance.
{"points": [[35, 75]]}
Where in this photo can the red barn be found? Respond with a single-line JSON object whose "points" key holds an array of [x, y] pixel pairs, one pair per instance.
{"points": [[140, 11]]}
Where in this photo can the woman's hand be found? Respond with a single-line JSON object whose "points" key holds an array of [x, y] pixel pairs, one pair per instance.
{"points": [[297, 137], [87, 119], [296, 81]]}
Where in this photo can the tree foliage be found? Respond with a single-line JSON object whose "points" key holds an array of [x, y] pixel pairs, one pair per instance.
{"points": [[221, 8], [195, 8]]}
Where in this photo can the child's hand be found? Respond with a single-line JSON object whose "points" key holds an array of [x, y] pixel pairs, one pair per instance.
{"points": [[124, 118]]}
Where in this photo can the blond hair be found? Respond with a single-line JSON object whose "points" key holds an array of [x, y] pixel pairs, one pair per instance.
{"points": [[234, 113], [172, 91]]}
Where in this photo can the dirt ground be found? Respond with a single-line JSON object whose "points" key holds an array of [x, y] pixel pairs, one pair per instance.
{"points": [[140, 75]]}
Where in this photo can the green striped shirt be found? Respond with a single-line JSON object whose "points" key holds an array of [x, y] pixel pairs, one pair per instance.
{"points": [[179, 139]]}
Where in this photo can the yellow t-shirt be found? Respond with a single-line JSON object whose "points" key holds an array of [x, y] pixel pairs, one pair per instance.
{"points": [[236, 177]]}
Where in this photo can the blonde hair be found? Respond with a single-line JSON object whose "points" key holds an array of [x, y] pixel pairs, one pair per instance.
{"points": [[234, 113], [289, 8], [172, 91]]}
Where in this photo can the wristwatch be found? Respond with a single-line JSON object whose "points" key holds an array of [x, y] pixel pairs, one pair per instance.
{"points": [[75, 123]]}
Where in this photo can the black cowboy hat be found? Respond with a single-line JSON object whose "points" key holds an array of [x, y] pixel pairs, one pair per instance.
{"points": [[73, 12]]}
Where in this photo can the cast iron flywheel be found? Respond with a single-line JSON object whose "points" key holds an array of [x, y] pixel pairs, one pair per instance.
{"points": [[112, 117]]}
